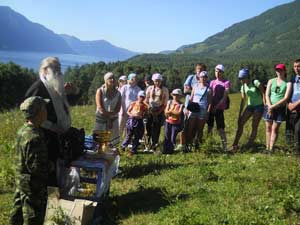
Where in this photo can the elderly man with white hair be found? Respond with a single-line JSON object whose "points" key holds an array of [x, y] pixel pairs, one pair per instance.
{"points": [[51, 86]]}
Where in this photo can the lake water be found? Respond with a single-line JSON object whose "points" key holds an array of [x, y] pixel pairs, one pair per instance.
{"points": [[33, 59]]}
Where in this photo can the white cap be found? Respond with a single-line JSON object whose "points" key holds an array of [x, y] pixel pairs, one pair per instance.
{"points": [[131, 76], [176, 92], [141, 93], [220, 67], [156, 76], [203, 74], [123, 78]]}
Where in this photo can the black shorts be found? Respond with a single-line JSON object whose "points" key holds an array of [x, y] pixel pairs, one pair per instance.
{"points": [[219, 116]]}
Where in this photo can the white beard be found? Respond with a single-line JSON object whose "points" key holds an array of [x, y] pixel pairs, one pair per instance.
{"points": [[55, 80], [54, 84]]}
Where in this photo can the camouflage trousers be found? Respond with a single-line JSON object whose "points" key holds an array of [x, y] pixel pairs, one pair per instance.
{"points": [[28, 209]]}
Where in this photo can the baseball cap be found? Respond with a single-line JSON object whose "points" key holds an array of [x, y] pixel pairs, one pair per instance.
{"points": [[176, 91], [32, 105], [131, 76], [141, 93], [123, 78], [280, 67], [156, 76], [220, 67], [243, 73], [202, 74]]}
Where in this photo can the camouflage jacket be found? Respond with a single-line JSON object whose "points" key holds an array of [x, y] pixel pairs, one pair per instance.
{"points": [[32, 160]]}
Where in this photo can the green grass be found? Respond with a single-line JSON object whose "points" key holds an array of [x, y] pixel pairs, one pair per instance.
{"points": [[203, 187]]}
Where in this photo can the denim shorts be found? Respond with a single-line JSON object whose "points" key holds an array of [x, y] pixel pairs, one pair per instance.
{"points": [[199, 115], [255, 108], [277, 115]]}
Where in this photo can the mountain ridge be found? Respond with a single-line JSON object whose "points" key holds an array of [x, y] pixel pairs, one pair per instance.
{"points": [[93, 48], [269, 34], [20, 34]]}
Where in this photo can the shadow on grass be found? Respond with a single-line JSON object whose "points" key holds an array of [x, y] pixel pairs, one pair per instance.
{"points": [[137, 171], [141, 201]]}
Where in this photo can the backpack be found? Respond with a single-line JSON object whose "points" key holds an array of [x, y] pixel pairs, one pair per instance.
{"points": [[72, 145]]}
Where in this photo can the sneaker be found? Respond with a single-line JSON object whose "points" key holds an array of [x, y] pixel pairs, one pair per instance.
{"points": [[154, 146], [187, 148], [129, 146], [146, 150], [179, 148]]}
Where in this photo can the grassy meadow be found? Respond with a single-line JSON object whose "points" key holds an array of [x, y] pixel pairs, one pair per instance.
{"points": [[202, 187]]}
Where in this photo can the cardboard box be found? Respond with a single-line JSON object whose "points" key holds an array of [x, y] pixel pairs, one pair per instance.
{"points": [[79, 211]]}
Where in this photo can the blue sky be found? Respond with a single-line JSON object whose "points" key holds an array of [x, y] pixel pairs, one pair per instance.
{"points": [[141, 25]]}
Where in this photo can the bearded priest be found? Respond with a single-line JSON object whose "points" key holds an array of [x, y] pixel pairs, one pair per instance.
{"points": [[51, 86]]}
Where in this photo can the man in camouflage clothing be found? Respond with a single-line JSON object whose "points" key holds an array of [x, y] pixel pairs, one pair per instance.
{"points": [[31, 166]]}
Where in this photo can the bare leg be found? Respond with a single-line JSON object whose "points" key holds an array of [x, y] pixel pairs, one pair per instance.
{"points": [[242, 121], [275, 128], [255, 122], [192, 130], [200, 127], [268, 133]]}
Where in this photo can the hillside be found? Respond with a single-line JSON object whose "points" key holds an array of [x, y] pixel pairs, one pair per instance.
{"points": [[274, 34], [99, 48], [20, 34]]}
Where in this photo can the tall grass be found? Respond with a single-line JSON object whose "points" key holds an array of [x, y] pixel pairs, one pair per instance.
{"points": [[202, 187]]}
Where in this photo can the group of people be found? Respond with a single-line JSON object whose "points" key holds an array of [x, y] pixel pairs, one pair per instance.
{"points": [[204, 103], [141, 113]]}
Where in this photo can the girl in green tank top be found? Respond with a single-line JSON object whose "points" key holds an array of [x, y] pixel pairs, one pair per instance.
{"points": [[277, 93]]}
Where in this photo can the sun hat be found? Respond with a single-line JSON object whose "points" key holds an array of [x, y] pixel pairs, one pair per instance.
{"points": [[156, 76], [176, 91], [280, 67], [220, 67], [123, 78], [243, 73], [141, 93]]}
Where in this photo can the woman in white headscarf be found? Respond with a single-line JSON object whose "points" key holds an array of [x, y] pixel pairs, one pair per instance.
{"points": [[108, 101], [157, 97]]}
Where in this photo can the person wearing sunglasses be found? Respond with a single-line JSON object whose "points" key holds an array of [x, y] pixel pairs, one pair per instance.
{"points": [[277, 93]]}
